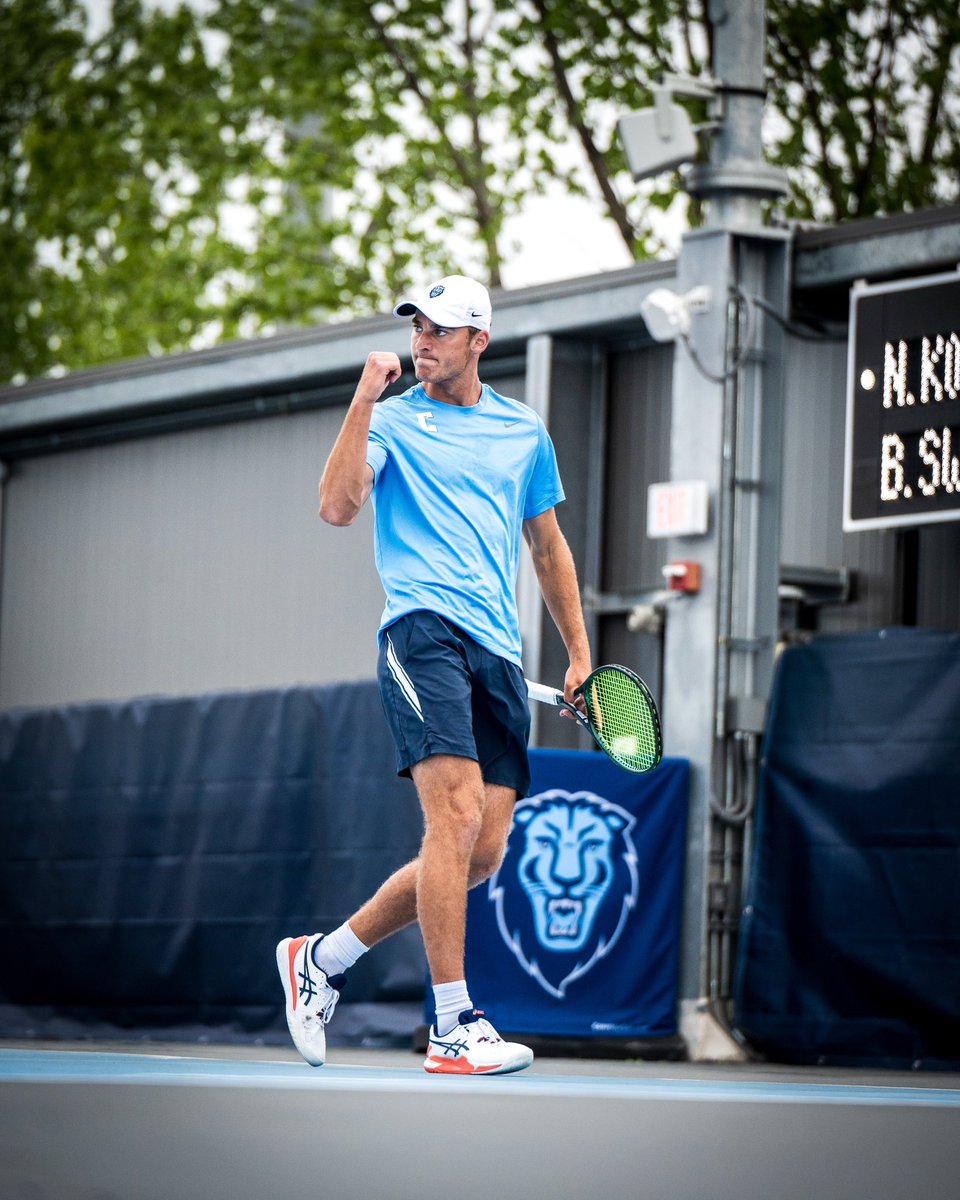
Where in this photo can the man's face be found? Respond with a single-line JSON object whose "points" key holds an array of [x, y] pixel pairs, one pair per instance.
{"points": [[440, 355]]}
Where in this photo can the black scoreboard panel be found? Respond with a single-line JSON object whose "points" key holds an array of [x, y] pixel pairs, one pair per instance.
{"points": [[902, 460]]}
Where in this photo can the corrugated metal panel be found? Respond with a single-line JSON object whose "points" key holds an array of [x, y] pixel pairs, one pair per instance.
{"points": [[573, 366], [638, 454], [812, 534], [302, 359], [815, 381], [182, 564], [194, 561], [938, 576]]}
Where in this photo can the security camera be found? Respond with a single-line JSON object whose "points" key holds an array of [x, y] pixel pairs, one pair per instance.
{"points": [[667, 314]]}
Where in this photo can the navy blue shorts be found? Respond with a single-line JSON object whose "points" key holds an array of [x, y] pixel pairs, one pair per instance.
{"points": [[443, 693]]}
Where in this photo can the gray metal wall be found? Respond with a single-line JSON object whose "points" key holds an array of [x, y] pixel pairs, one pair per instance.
{"points": [[185, 563], [812, 534], [194, 561], [637, 454], [609, 416], [181, 564], [938, 575]]}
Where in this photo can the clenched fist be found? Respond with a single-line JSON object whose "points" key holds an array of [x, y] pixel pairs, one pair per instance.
{"points": [[380, 370]]}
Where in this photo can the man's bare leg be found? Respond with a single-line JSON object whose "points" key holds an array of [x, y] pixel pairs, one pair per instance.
{"points": [[395, 904], [466, 829]]}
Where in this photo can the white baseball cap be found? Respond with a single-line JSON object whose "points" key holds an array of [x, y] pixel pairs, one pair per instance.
{"points": [[452, 302]]}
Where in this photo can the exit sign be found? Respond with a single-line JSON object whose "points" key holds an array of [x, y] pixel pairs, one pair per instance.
{"points": [[677, 509]]}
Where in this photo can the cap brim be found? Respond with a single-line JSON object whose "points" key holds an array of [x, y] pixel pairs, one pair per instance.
{"points": [[433, 312]]}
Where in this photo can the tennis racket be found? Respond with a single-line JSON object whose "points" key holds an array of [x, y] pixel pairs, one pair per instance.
{"points": [[621, 715]]}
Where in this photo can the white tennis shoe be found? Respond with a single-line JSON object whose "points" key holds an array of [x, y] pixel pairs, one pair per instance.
{"points": [[311, 996], [474, 1048]]}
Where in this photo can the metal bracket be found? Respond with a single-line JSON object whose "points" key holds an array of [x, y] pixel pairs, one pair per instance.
{"points": [[746, 714], [702, 87], [644, 610], [606, 604], [816, 585], [748, 645]]}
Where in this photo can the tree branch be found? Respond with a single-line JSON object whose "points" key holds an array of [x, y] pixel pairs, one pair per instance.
{"points": [[470, 172], [876, 135], [485, 214], [935, 101], [615, 206], [803, 74]]}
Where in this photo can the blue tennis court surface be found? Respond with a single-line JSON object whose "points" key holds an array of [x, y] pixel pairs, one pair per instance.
{"points": [[110, 1067]]}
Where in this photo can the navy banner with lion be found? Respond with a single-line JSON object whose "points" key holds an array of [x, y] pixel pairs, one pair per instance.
{"points": [[578, 933]]}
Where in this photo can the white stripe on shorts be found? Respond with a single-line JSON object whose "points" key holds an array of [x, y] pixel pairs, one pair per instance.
{"points": [[404, 682]]}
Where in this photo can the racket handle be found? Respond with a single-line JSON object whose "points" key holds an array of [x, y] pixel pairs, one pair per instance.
{"points": [[545, 695]]}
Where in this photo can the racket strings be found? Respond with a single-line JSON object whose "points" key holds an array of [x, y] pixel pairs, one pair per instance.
{"points": [[624, 720]]}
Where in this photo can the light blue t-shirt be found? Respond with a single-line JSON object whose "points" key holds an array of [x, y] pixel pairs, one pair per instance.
{"points": [[452, 489]]}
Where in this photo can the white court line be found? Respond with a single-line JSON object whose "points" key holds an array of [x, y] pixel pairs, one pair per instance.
{"points": [[81, 1066]]}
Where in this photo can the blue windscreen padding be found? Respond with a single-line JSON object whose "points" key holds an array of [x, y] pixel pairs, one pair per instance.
{"points": [[578, 933], [153, 852], [850, 941]]}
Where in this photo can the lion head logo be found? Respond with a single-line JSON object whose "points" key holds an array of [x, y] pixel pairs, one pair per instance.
{"points": [[566, 885]]}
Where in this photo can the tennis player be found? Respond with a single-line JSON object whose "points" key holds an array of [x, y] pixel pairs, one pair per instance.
{"points": [[457, 473]]}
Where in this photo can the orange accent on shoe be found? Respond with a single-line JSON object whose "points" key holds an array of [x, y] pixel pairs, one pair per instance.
{"points": [[458, 1066], [292, 951]]}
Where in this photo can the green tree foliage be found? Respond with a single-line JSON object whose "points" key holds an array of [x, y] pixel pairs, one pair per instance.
{"points": [[432, 124], [114, 159], [866, 97], [231, 168]]}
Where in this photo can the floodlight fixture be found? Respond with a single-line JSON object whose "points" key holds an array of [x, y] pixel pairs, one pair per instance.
{"points": [[663, 138]]}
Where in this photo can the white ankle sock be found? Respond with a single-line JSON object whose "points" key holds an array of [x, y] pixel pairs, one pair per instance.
{"points": [[337, 951], [450, 999]]}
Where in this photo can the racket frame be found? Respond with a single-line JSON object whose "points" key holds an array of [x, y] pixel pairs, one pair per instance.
{"points": [[544, 694]]}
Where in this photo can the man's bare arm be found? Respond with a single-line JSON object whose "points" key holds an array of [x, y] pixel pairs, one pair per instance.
{"points": [[557, 577], [347, 479]]}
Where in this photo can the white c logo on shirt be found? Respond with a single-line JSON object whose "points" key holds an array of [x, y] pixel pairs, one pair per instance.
{"points": [[425, 422]]}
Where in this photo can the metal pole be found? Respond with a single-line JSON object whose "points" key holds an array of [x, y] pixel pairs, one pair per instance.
{"points": [[727, 429], [737, 181]]}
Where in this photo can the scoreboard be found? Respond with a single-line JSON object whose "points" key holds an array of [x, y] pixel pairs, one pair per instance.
{"points": [[902, 454]]}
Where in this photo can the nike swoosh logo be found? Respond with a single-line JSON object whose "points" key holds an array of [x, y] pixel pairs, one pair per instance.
{"points": [[512, 421]]}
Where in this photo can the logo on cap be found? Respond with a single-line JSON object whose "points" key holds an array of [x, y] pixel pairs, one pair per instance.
{"points": [[436, 291]]}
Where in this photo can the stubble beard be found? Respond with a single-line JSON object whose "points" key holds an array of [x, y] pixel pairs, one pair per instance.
{"points": [[450, 374]]}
